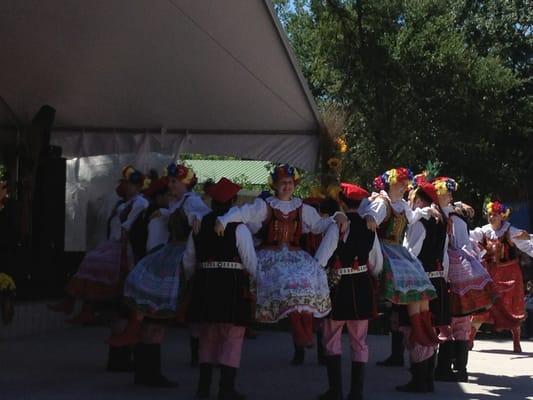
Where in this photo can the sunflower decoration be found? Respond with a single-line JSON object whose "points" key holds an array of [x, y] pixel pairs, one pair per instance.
{"points": [[7, 293], [341, 144], [335, 164]]}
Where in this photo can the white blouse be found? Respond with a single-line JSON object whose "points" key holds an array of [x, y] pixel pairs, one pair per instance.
{"points": [[377, 209], [487, 231], [459, 236], [139, 204], [256, 213], [157, 230], [193, 207]]}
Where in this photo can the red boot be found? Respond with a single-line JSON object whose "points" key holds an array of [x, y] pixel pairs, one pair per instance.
{"points": [[85, 316], [65, 306], [418, 333], [131, 334], [429, 330]]}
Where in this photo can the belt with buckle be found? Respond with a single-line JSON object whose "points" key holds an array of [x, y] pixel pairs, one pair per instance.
{"points": [[352, 271], [221, 265], [435, 274]]}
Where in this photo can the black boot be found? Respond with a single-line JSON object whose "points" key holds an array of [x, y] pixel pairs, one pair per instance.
{"points": [[397, 350], [195, 344], [443, 371], [418, 382], [148, 367], [334, 391], [204, 383], [226, 389], [461, 360], [430, 376], [120, 359], [321, 354], [299, 355], [358, 379]]}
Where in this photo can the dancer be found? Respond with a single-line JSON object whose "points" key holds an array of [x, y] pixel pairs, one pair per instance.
{"points": [[470, 289], [502, 242], [428, 241], [290, 282], [152, 287], [355, 264], [221, 268], [405, 281]]}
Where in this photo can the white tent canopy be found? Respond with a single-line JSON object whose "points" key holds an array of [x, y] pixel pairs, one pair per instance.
{"points": [[163, 76]]}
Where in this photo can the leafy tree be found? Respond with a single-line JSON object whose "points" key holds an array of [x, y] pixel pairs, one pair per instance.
{"points": [[424, 80]]}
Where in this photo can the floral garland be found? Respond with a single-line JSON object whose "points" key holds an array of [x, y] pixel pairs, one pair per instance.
{"points": [[182, 173], [391, 177], [497, 208], [283, 171], [131, 175], [445, 185]]}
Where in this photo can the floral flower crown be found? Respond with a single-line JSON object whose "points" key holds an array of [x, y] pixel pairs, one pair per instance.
{"points": [[391, 177], [445, 185], [283, 171], [131, 175], [497, 208], [182, 173]]}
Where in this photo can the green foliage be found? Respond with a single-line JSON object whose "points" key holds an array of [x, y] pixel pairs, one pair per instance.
{"points": [[424, 80]]}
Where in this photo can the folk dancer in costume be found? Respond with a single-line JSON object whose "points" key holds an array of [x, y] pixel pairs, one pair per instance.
{"points": [[102, 272], [428, 241], [355, 264], [404, 279], [325, 206], [470, 287], [152, 287], [290, 282], [502, 242], [221, 268]]}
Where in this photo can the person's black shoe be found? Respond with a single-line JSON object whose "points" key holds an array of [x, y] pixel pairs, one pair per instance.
{"points": [[299, 355]]}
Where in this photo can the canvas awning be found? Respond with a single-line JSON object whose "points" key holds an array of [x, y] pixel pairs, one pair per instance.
{"points": [[166, 76]]}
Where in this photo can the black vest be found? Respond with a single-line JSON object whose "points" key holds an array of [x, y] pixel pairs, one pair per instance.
{"points": [[358, 244], [432, 250], [211, 247]]}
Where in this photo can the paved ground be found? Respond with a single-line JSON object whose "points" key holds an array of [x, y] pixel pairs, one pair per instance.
{"points": [[69, 364]]}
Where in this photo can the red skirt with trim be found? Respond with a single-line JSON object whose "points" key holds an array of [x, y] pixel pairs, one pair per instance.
{"points": [[509, 309]]}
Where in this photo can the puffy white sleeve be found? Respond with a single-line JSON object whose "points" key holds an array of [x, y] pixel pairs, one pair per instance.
{"points": [[194, 207], [253, 214], [245, 246], [414, 240], [476, 235], [417, 214], [313, 222], [375, 258], [189, 258], [138, 206], [328, 245], [523, 245], [377, 209], [460, 235]]}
